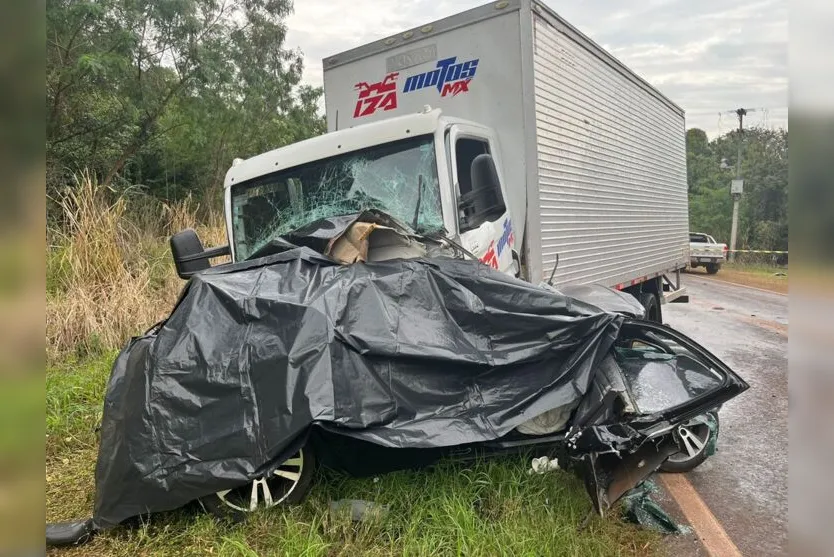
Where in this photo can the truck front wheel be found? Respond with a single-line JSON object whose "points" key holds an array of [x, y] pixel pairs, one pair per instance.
{"points": [[712, 268]]}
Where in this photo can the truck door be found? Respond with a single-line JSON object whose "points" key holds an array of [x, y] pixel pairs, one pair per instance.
{"points": [[489, 235]]}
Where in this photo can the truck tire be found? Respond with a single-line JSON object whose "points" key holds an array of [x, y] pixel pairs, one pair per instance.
{"points": [[649, 302], [713, 268]]}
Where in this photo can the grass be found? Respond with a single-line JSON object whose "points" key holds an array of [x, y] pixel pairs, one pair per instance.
{"points": [[109, 271], [484, 508], [756, 275]]}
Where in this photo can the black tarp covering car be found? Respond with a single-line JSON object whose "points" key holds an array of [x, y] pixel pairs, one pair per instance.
{"points": [[416, 354], [403, 353]]}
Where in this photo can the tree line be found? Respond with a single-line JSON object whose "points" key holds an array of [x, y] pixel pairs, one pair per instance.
{"points": [[163, 94], [763, 212]]}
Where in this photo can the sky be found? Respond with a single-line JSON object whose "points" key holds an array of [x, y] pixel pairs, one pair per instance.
{"points": [[708, 56]]}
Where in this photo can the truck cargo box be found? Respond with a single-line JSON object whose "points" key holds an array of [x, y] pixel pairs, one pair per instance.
{"points": [[594, 158]]}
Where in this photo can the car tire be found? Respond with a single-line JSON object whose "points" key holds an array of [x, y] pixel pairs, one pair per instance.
{"points": [[649, 302], [713, 268], [681, 462], [290, 483]]}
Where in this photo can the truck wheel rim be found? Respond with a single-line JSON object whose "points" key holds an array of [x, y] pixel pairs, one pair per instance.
{"points": [[267, 491], [693, 439]]}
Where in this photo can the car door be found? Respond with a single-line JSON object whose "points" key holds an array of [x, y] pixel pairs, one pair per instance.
{"points": [[655, 379]]}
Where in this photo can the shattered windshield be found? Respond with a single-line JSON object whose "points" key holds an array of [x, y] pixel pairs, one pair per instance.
{"points": [[398, 178]]}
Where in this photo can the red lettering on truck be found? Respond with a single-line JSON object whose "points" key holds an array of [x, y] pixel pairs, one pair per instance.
{"points": [[490, 257], [455, 88], [381, 95]]}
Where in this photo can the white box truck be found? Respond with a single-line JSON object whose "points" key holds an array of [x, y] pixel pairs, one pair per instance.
{"points": [[502, 129], [592, 158]]}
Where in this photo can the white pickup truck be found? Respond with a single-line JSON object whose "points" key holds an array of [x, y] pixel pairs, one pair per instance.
{"points": [[704, 251]]}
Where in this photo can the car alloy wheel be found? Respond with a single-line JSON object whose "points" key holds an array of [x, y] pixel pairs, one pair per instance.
{"points": [[286, 484], [694, 439]]}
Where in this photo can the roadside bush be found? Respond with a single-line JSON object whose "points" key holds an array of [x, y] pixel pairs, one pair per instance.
{"points": [[109, 271]]}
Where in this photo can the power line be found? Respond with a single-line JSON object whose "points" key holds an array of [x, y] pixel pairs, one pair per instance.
{"points": [[764, 116]]}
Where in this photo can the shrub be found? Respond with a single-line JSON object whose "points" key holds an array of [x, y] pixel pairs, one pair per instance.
{"points": [[109, 271]]}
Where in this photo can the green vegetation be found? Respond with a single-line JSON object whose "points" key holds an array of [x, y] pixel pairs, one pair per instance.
{"points": [[165, 93], [763, 213], [109, 273]]}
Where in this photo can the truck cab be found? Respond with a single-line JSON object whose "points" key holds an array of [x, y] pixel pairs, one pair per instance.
{"points": [[439, 176]]}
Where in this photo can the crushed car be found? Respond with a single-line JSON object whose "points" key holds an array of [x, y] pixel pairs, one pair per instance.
{"points": [[328, 347]]}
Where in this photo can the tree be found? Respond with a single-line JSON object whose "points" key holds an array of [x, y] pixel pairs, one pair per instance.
{"points": [[164, 92], [763, 220], [699, 161]]}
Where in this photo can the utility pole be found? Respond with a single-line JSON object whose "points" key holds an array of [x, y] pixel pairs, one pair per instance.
{"points": [[738, 184]]}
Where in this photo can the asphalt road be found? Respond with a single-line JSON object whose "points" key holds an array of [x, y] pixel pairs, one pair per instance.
{"points": [[745, 483]]}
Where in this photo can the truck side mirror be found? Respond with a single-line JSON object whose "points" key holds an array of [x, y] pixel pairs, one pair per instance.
{"points": [[485, 201], [189, 256]]}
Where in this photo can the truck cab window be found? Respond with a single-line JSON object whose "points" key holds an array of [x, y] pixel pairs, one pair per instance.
{"points": [[486, 204], [466, 150]]}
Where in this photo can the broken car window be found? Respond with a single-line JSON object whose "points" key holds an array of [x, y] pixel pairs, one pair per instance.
{"points": [[398, 178], [662, 374]]}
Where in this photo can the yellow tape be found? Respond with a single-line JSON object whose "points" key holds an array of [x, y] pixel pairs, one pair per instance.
{"points": [[754, 251]]}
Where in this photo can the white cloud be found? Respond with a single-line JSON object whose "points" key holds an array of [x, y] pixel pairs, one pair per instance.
{"points": [[709, 56]]}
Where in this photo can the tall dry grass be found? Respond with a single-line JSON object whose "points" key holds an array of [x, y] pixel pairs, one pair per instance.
{"points": [[109, 270]]}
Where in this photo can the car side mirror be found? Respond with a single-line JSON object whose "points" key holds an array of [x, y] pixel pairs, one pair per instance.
{"points": [[485, 201], [189, 256]]}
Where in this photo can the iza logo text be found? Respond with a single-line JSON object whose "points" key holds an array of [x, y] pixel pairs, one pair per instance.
{"points": [[449, 77], [376, 96]]}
